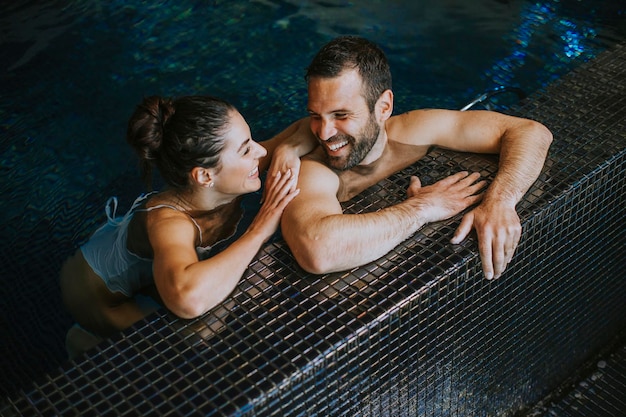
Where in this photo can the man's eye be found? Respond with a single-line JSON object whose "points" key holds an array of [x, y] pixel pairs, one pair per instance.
{"points": [[247, 150], [341, 115]]}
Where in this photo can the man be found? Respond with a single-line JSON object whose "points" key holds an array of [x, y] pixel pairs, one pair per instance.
{"points": [[350, 106]]}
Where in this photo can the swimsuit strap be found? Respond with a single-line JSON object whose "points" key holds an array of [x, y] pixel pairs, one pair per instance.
{"points": [[111, 209]]}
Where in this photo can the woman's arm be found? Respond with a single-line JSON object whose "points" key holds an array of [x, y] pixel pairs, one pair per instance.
{"points": [[189, 287]]}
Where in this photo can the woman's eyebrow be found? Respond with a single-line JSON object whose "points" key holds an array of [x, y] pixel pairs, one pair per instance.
{"points": [[243, 145]]}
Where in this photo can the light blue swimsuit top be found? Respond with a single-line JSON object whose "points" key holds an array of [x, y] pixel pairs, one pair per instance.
{"points": [[107, 254]]}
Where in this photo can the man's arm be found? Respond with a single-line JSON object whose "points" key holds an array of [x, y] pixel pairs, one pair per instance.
{"points": [[323, 239], [285, 149], [523, 146]]}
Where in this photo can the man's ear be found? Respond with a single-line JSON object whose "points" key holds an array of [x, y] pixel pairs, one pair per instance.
{"points": [[384, 105], [202, 176]]}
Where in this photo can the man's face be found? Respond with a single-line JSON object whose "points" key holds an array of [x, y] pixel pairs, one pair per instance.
{"points": [[341, 120]]}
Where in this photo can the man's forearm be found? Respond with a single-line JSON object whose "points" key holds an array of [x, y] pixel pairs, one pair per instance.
{"points": [[325, 240], [343, 241], [522, 156], [297, 137]]}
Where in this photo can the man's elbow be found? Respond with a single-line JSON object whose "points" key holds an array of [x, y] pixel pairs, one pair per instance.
{"points": [[314, 248], [542, 134], [187, 311], [314, 265], [314, 259], [186, 305]]}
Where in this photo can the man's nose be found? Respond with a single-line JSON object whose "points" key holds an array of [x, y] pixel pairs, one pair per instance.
{"points": [[326, 130]]}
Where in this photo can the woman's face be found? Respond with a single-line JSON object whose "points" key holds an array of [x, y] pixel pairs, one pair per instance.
{"points": [[239, 161]]}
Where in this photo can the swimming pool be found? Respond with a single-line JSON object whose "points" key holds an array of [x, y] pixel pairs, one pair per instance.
{"points": [[72, 73]]}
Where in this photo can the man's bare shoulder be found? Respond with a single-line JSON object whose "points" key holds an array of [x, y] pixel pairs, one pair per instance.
{"points": [[318, 186], [416, 127], [314, 169]]}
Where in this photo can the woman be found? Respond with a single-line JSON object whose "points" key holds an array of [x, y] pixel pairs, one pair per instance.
{"points": [[203, 149]]}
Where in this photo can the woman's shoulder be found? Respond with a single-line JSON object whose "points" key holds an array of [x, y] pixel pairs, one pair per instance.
{"points": [[159, 219], [163, 204]]}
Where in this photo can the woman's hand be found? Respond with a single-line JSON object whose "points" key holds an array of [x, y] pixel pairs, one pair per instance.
{"points": [[280, 189], [285, 160], [285, 149]]}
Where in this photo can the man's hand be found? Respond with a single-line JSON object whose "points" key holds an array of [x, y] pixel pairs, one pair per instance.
{"points": [[498, 228], [446, 197]]}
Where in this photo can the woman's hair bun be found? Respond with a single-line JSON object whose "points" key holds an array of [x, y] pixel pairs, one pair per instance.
{"points": [[145, 130], [146, 126], [166, 109]]}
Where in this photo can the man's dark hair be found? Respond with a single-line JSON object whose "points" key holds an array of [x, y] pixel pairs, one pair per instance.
{"points": [[353, 52]]}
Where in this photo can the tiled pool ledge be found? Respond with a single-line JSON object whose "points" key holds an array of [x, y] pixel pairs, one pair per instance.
{"points": [[420, 331]]}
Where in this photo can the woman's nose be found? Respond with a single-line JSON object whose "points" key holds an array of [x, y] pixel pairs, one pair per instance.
{"points": [[260, 150]]}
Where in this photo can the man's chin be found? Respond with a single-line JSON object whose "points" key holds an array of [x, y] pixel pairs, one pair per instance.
{"points": [[339, 164]]}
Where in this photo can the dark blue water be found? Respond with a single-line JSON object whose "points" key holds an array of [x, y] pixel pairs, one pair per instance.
{"points": [[72, 71]]}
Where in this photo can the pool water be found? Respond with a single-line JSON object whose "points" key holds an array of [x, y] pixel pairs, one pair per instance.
{"points": [[71, 73]]}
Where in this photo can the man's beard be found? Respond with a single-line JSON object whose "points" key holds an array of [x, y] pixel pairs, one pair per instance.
{"points": [[358, 148]]}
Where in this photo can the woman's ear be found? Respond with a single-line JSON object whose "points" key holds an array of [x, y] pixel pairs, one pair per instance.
{"points": [[202, 177], [384, 105]]}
